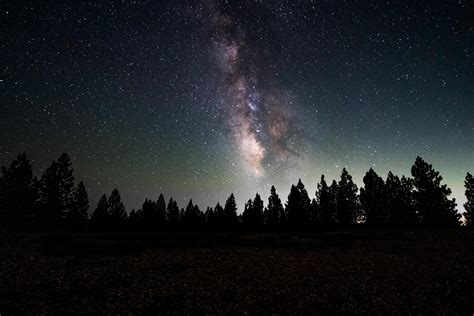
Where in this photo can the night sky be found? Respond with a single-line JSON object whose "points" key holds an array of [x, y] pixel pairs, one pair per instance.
{"points": [[200, 99]]}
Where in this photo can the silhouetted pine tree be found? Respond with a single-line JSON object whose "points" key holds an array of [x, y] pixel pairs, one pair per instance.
{"points": [[210, 218], [118, 215], [101, 217], [56, 194], [247, 214], [347, 200], [373, 199], [293, 205], [469, 205], [172, 214], [230, 213], [150, 215], [135, 220], [399, 194], [315, 214], [18, 194], [191, 219], [132, 220], [326, 199], [431, 197], [257, 211], [252, 217], [181, 214], [219, 218], [298, 207], [274, 211], [161, 212], [78, 215], [334, 189], [201, 218]]}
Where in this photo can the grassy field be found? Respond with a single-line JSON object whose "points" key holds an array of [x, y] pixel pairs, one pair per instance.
{"points": [[234, 273]]}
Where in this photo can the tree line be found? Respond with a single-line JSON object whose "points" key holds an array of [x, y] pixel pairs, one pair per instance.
{"points": [[54, 202]]}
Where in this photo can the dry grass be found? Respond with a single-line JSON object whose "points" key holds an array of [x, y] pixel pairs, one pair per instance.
{"points": [[389, 272]]}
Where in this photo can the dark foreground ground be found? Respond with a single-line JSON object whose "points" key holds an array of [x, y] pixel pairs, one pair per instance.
{"points": [[215, 273]]}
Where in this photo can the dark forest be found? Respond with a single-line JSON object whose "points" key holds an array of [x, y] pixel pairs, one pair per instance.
{"points": [[53, 202]]}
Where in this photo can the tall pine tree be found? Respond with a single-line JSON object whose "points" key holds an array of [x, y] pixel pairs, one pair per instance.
{"points": [[258, 211], [219, 221], [161, 212], [150, 215], [18, 194], [274, 211], [100, 219], [172, 214], [431, 197], [400, 205], [469, 205], [298, 207], [78, 215], [191, 219], [230, 213], [210, 219], [373, 199], [315, 214], [118, 215], [57, 184], [326, 200], [247, 214], [252, 216], [347, 200], [135, 220]]}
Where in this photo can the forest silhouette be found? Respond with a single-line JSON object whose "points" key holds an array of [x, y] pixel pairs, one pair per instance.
{"points": [[53, 202]]}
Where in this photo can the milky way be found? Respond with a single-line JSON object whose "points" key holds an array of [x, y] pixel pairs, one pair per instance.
{"points": [[259, 118]]}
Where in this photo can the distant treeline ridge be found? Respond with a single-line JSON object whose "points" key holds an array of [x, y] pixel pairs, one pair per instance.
{"points": [[53, 202]]}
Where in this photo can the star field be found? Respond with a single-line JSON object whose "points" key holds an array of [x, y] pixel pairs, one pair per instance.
{"points": [[200, 99]]}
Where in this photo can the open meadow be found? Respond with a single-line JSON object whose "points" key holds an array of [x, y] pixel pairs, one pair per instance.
{"points": [[234, 273]]}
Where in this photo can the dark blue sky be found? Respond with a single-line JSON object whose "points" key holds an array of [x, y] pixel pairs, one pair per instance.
{"points": [[198, 100]]}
